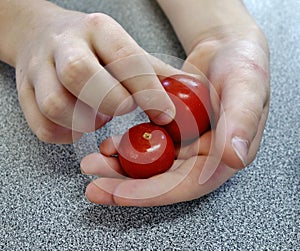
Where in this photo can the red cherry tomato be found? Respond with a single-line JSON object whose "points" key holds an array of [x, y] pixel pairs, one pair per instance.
{"points": [[192, 101], [146, 150]]}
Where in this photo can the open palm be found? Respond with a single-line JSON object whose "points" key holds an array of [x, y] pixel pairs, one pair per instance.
{"points": [[236, 63]]}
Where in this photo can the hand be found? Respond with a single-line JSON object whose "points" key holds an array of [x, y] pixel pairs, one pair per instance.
{"points": [[178, 184], [75, 71], [236, 61]]}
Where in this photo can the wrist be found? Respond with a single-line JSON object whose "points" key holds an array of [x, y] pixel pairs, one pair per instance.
{"points": [[19, 20], [193, 20]]}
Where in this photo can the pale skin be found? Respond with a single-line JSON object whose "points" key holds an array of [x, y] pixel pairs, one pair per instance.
{"points": [[56, 51]]}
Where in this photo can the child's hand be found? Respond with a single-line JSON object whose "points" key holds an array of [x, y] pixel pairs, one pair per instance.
{"points": [[237, 65], [66, 59], [236, 61], [180, 183]]}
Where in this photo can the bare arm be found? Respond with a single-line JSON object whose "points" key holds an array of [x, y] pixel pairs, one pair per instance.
{"points": [[191, 19], [51, 50], [17, 19], [61, 59], [223, 42]]}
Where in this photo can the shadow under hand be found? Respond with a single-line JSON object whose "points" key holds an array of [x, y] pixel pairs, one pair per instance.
{"points": [[124, 218]]}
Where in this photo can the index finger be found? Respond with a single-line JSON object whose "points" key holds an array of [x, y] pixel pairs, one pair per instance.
{"points": [[130, 65]]}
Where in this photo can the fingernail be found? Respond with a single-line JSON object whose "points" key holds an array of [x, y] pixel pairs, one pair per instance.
{"points": [[89, 169], [166, 116], [85, 166], [82, 169], [241, 148]]}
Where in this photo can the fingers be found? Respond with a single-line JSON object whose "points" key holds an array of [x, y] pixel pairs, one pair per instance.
{"points": [[128, 63], [60, 106], [44, 128], [100, 165], [72, 89], [104, 196], [126, 71], [80, 72], [109, 146], [171, 187]]}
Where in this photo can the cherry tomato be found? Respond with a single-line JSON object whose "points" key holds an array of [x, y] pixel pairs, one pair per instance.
{"points": [[146, 150], [192, 101]]}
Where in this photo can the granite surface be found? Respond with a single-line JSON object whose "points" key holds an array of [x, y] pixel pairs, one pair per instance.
{"points": [[42, 203]]}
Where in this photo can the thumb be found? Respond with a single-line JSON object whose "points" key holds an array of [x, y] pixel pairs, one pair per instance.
{"points": [[243, 87]]}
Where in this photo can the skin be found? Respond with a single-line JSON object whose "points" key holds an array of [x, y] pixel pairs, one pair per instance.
{"points": [[65, 72], [223, 42]]}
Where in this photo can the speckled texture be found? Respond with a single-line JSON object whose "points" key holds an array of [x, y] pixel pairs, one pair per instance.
{"points": [[42, 204]]}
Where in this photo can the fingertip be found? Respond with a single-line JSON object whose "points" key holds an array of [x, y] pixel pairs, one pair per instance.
{"points": [[232, 140], [96, 195], [156, 103], [162, 117], [102, 190], [235, 152], [109, 146], [87, 164]]}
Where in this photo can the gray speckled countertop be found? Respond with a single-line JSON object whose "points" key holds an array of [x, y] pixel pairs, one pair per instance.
{"points": [[42, 203]]}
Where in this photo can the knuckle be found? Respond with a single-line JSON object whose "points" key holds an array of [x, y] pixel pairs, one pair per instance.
{"points": [[253, 115], [54, 107], [73, 67], [152, 99], [124, 50], [97, 19]]}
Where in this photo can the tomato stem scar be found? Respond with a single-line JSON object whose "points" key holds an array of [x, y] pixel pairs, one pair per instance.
{"points": [[147, 135]]}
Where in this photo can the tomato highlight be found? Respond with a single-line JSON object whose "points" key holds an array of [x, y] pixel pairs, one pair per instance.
{"points": [[192, 101]]}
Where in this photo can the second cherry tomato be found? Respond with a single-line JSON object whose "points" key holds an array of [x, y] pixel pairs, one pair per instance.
{"points": [[146, 150], [192, 101]]}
